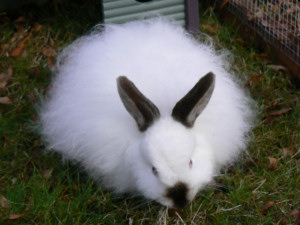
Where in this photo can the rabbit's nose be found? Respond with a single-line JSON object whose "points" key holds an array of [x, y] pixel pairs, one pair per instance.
{"points": [[178, 194]]}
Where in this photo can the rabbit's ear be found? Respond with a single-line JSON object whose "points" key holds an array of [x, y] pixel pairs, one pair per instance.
{"points": [[194, 102], [139, 107]]}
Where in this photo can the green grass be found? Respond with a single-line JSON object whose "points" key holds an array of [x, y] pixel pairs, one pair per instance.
{"points": [[37, 188]]}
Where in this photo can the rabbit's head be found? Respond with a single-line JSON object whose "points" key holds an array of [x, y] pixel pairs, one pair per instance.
{"points": [[170, 164]]}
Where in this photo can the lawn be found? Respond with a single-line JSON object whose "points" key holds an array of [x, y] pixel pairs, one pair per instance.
{"points": [[36, 187]]}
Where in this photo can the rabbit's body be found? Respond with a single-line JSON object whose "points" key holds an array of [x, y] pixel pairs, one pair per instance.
{"points": [[85, 120]]}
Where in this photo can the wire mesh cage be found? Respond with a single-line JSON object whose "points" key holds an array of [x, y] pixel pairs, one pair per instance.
{"points": [[277, 22]]}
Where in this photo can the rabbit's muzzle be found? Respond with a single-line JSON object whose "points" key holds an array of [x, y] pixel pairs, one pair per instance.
{"points": [[178, 194]]}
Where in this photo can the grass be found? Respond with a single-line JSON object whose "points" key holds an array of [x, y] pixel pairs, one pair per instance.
{"points": [[37, 188]]}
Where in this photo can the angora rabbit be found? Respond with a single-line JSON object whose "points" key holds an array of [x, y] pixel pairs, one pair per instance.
{"points": [[147, 110]]}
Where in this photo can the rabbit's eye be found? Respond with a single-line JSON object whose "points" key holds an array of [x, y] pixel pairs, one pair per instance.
{"points": [[191, 164], [154, 171]]}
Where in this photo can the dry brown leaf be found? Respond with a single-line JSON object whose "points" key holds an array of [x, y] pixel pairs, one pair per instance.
{"points": [[274, 7], [20, 19], [15, 216], [223, 4], [284, 220], [47, 173], [20, 47], [295, 215], [49, 52], [290, 151], [277, 67], [268, 121], [273, 163], [211, 28], [291, 11], [5, 77], [250, 16], [281, 112], [51, 62], [17, 37], [37, 27], [259, 14], [255, 79], [5, 101], [274, 105], [262, 56], [4, 202], [267, 206]]}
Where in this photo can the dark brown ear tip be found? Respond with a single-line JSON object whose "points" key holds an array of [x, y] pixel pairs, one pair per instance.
{"points": [[122, 79], [137, 105], [210, 76], [194, 102]]}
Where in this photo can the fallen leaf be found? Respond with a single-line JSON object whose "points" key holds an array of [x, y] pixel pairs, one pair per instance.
{"points": [[273, 105], [51, 62], [281, 112], [211, 28], [290, 151], [5, 101], [255, 79], [49, 52], [262, 56], [5, 77], [250, 16], [284, 220], [268, 121], [20, 19], [20, 47], [274, 8], [295, 215], [223, 4], [15, 216], [273, 163], [295, 100], [259, 14], [277, 67], [47, 173], [4, 202], [17, 37], [37, 27], [267, 206], [291, 11]]}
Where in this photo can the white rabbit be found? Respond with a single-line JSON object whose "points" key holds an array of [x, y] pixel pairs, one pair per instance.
{"points": [[166, 146]]}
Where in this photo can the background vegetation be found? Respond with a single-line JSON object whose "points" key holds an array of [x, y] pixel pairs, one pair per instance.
{"points": [[37, 188]]}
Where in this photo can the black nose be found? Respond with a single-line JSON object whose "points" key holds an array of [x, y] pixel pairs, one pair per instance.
{"points": [[178, 194]]}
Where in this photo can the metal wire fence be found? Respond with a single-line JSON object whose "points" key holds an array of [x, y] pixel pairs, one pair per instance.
{"points": [[276, 21]]}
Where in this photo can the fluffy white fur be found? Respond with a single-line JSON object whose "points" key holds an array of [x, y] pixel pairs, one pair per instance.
{"points": [[84, 119]]}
